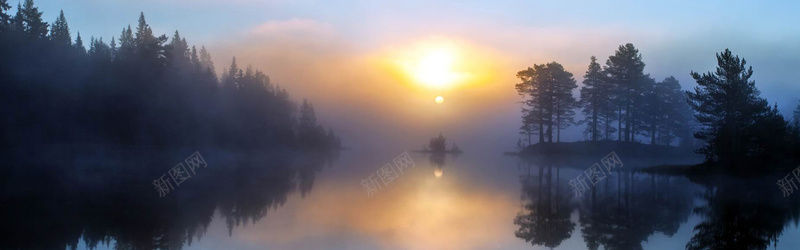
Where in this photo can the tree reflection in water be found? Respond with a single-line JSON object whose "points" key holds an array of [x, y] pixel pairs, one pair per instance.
{"points": [[742, 214], [624, 210], [628, 208], [547, 208], [107, 195]]}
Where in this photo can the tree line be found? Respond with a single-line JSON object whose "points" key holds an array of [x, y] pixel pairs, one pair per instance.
{"points": [[620, 102], [138, 89]]}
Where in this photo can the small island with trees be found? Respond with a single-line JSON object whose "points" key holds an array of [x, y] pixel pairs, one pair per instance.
{"points": [[438, 145]]}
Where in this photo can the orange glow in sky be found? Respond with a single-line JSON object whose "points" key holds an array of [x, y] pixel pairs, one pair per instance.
{"points": [[435, 67], [435, 63]]}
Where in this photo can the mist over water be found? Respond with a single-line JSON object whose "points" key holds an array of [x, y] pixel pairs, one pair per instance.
{"points": [[475, 200]]}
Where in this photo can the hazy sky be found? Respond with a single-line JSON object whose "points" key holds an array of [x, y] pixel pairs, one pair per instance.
{"points": [[344, 55]]}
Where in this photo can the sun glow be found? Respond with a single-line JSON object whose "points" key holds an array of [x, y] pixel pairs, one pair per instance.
{"points": [[435, 63], [435, 68], [431, 67]]}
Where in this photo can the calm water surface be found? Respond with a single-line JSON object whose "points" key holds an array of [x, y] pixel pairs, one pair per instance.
{"points": [[478, 200]]}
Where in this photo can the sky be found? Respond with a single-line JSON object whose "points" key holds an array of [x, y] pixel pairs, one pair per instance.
{"points": [[351, 58]]}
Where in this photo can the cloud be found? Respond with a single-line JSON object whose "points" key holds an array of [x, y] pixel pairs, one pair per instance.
{"points": [[293, 29]]}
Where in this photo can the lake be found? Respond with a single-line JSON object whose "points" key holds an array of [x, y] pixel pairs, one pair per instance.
{"points": [[287, 200]]}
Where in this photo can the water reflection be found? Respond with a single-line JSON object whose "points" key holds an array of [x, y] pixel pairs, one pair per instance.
{"points": [[629, 207], [742, 214], [546, 217], [624, 211], [439, 160], [483, 202], [53, 203]]}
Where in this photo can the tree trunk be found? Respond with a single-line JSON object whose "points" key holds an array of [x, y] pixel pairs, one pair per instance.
{"points": [[653, 134], [619, 124], [558, 127], [633, 124], [529, 135], [594, 124], [550, 129], [628, 123], [541, 124], [608, 127]]}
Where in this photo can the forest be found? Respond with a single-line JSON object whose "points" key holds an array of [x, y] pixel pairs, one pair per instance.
{"points": [[91, 124], [724, 118], [139, 89]]}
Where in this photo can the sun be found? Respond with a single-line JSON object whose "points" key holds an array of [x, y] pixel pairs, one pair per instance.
{"points": [[432, 63], [439, 100], [435, 67], [437, 64]]}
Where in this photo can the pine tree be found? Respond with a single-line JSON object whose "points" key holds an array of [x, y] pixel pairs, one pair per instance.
{"points": [[35, 26], [796, 116], [148, 46], [638, 120], [18, 22], [529, 124], [594, 99], [179, 51], [307, 119], [205, 59], [126, 44], [79, 44], [663, 109], [309, 133], [727, 104], [248, 80], [652, 110], [625, 69], [5, 18], [99, 51], [59, 30], [550, 102], [770, 136], [144, 35], [673, 122], [564, 102], [239, 80], [679, 117], [113, 47], [264, 81], [194, 59], [534, 87], [229, 79]]}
